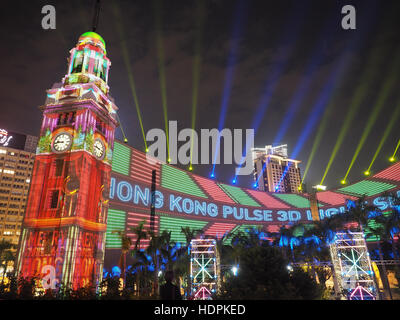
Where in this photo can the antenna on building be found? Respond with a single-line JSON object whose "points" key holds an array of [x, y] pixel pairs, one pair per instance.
{"points": [[96, 15]]}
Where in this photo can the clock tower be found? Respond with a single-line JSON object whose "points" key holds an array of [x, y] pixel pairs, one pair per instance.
{"points": [[65, 221]]}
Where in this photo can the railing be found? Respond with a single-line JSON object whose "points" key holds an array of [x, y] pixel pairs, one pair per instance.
{"points": [[328, 263]]}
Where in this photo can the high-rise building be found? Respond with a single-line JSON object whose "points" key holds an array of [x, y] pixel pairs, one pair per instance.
{"points": [[65, 221], [17, 155], [274, 171]]}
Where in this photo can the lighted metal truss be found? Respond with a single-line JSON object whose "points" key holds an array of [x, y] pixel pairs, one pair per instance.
{"points": [[203, 268], [352, 264]]}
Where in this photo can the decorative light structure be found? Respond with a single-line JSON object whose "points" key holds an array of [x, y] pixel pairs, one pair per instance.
{"points": [[4, 138], [352, 264], [360, 293], [203, 268]]}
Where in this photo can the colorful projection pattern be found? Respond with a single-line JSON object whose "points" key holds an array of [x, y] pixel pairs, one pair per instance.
{"points": [[65, 222]]}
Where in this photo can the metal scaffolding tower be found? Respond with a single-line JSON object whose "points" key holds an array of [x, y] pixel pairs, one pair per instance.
{"points": [[352, 265], [203, 268]]}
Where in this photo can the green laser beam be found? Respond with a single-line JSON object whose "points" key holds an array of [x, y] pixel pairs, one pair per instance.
{"points": [[161, 68], [393, 120], [357, 98], [383, 95], [125, 55], [196, 70]]}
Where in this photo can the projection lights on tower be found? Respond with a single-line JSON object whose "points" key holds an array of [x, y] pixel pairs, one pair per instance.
{"points": [[77, 135]]}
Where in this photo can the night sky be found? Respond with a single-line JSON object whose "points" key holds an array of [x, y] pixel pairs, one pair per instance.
{"points": [[259, 60]]}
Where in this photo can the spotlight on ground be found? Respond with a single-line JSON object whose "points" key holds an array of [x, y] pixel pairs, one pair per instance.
{"points": [[392, 159], [343, 182], [126, 140], [235, 270], [234, 181], [367, 173]]}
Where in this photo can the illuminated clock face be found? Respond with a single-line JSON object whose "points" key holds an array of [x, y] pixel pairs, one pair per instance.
{"points": [[62, 142], [98, 149]]}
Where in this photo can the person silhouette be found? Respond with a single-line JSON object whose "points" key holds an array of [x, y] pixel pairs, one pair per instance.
{"points": [[169, 291]]}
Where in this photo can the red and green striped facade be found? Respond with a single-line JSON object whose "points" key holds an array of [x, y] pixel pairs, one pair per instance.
{"points": [[130, 164]]}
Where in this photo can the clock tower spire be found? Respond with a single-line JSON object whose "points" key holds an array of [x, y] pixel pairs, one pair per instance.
{"points": [[65, 220]]}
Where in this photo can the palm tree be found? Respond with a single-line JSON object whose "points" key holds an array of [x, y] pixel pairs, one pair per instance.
{"points": [[183, 256], [5, 245], [168, 251], [126, 243], [141, 234], [323, 232], [360, 211], [5, 255], [318, 237], [159, 246], [388, 224], [219, 248], [288, 238]]}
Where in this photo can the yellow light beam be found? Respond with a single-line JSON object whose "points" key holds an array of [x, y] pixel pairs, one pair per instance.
{"points": [[393, 120], [383, 95], [392, 158], [354, 106], [125, 56], [161, 68], [122, 129], [318, 137], [196, 70]]}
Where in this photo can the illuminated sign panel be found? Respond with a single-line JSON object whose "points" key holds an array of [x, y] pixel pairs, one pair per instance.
{"points": [[12, 139], [130, 193], [4, 137], [215, 207]]}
